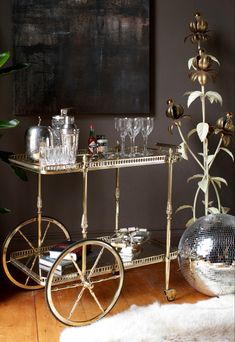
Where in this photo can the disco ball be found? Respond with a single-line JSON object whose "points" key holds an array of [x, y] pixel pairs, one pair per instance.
{"points": [[207, 254]]}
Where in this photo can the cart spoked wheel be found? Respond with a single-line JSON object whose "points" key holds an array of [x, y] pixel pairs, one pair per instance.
{"points": [[21, 252], [88, 287]]}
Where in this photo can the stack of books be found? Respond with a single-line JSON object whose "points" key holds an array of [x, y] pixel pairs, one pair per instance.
{"points": [[66, 266], [56, 250], [126, 254]]}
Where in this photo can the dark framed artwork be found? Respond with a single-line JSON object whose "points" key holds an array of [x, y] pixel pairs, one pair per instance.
{"points": [[86, 54]]}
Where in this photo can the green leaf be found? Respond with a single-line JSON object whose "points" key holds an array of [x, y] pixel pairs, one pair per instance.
{"points": [[225, 210], [4, 58], [213, 96], [4, 211], [14, 68], [4, 124], [4, 156], [182, 207], [213, 210], [210, 158], [20, 173], [203, 184], [183, 150], [190, 221], [193, 96], [190, 63], [194, 177], [227, 151], [214, 59], [219, 180], [210, 203], [191, 132], [202, 130]]}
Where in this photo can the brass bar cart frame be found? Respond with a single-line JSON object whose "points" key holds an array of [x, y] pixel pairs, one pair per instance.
{"points": [[82, 276]]}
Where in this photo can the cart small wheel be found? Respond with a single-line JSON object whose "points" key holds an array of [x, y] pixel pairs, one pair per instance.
{"points": [[87, 288], [170, 294], [20, 250]]}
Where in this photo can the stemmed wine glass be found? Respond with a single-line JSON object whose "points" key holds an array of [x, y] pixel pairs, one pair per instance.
{"points": [[121, 125], [133, 129], [146, 128]]}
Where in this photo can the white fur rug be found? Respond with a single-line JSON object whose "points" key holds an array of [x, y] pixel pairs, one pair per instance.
{"points": [[205, 321]]}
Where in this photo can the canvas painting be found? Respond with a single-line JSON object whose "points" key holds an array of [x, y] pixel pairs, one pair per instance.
{"points": [[86, 54]]}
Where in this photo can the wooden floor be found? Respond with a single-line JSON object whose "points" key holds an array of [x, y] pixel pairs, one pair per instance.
{"points": [[25, 317]]}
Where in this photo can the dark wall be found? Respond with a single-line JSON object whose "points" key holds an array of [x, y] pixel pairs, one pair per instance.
{"points": [[143, 191]]}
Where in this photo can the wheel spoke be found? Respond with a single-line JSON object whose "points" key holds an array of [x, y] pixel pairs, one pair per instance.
{"points": [[28, 260], [55, 289], [96, 299], [76, 302], [33, 263], [106, 279], [96, 262], [78, 269], [27, 240], [45, 233]]}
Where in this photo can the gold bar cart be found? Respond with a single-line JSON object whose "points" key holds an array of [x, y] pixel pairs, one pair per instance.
{"points": [[95, 277]]}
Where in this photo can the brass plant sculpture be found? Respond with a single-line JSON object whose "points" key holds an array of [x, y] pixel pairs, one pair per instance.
{"points": [[201, 69]]}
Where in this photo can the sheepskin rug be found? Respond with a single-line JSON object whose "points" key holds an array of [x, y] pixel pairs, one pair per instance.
{"points": [[205, 321]]}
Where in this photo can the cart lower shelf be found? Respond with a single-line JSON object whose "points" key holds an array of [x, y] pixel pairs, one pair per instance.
{"points": [[93, 280], [151, 253]]}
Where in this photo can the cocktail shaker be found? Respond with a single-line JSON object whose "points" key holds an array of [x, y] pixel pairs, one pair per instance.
{"points": [[57, 123], [69, 133]]}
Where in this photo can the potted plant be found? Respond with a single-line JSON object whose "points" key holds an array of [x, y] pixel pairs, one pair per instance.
{"points": [[7, 124]]}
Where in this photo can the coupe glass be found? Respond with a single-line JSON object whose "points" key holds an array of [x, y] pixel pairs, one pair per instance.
{"points": [[147, 124], [121, 125], [133, 130]]}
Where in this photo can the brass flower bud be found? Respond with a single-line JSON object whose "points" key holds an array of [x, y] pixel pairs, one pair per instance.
{"points": [[202, 78], [174, 111], [202, 61], [225, 127], [229, 125], [169, 102], [199, 25], [226, 123], [220, 123]]}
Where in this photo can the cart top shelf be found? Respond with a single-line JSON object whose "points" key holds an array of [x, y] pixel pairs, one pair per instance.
{"points": [[159, 155]]}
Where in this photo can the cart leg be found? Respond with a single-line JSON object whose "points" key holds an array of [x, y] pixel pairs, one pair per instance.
{"points": [[84, 223], [117, 198], [39, 209], [170, 293]]}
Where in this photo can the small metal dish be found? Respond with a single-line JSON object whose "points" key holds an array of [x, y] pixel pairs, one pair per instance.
{"points": [[130, 237]]}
